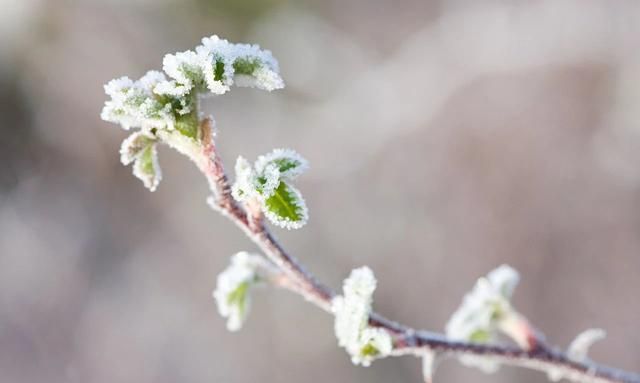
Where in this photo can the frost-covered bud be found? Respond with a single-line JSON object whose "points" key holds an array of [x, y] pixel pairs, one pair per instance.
{"points": [[232, 293], [269, 183], [485, 311], [351, 310]]}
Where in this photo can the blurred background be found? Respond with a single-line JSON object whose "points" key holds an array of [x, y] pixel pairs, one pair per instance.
{"points": [[445, 138]]}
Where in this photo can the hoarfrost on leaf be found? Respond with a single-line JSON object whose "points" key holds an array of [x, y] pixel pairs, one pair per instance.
{"points": [[268, 182], [133, 104], [133, 146], [483, 312], [232, 293], [147, 168], [286, 207], [579, 348], [351, 310], [374, 343], [157, 105], [289, 163]]}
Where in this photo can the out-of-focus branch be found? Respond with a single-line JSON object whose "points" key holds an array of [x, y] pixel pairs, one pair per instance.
{"points": [[296, 278]]}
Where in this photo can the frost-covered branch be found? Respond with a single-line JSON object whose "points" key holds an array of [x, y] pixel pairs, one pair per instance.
{"points": [[485, 332]]}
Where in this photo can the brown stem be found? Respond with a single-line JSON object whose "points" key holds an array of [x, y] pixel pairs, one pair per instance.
{"points": [[540, 357]]}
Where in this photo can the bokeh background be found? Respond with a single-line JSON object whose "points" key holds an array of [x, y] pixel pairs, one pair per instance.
{"points": [[445, 137]]}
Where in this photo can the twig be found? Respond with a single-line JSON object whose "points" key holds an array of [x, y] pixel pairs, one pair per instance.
{"points": [[540, 357]]}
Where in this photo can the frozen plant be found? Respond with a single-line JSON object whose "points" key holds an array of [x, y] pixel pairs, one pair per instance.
{"points": [[233, 291], [268, 183], [352, 310], [164, 108]]}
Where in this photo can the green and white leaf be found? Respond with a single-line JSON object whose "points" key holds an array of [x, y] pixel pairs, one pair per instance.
{"points": [[286, 207], [147, 168], [133, 146], [290, 164], [232, 293]]}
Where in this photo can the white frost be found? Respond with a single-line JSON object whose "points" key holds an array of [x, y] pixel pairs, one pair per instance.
{"points": [[291, 163], [351, 310], [211, 69], [479, 316], [270, 172], [133, 104]]}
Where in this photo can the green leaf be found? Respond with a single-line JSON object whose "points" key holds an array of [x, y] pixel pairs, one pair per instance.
{"points": [[238, 297], [187, 124], [286, 208], [480, 336], [369, 350], [218, 71], [289, 163], [147, 169], [286, 164], [246, 65], [133, 146]]}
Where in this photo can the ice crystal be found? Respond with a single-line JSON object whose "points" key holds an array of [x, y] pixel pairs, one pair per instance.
{"points": [[351, 310]]}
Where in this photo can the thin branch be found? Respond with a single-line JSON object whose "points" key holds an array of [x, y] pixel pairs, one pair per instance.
{"points": [[540, 357]]}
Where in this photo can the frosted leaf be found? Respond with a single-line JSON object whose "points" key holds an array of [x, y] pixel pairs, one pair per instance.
{"points": [[133, 146], [245, 185], [239, 64], [185, 68], [289, 163], [286, 207], [232, 293], [268, 181], [482, 312], [133, 104], [171, 88], [504, 279], [353, 307], [261, 78], [150, 79], [147, 168], [579, 348], [373, 343], [155, 101], [351, 310]]}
